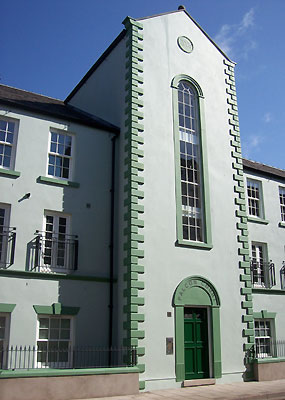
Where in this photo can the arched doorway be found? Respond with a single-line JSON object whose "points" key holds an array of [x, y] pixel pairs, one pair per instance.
{"points": [[197, 329]]}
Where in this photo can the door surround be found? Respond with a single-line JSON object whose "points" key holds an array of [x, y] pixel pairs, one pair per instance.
{"points": [[197, 291]]}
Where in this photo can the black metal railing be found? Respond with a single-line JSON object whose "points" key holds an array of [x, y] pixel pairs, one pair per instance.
{"points": [[33, 357], [269, 348], [282, 276], [262, 274], [55, 252], [7, 246]]}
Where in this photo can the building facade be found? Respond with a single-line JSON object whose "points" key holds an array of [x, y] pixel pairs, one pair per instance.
{"points": [[148, 230]]}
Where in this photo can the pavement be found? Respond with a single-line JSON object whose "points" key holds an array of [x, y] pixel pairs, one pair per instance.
{"points": [[232, 391]]}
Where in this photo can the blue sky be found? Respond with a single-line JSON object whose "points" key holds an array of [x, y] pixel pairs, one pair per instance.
{"points": [[47, 46]]}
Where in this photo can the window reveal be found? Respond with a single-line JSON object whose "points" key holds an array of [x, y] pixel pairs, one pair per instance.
{"points": [[7, 143], [263, 337], [59, 158], [56, 232], [254, 198], [190, 163], [54, 341], [258, 263], [282, 203]]}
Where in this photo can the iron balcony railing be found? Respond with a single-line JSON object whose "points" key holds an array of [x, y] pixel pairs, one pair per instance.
{"points": [[55, 252], [262, 274], [7, 246], [267, 348], [34, 357], [282, 276]]}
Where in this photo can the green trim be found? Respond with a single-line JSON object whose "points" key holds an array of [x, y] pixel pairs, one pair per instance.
{"points": [[7, 308], [134, 210], [281, 224], [56, 309], [57, 182], [141, 385], [66, 372], [198, 245], [52, 277], [9, 173], [239, 200], [268, 291], [264, 314], [207, 244], [193, 291], [183, 77], [269, 360], [258, 220]]}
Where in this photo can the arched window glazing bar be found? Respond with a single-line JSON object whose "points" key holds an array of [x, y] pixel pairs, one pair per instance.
{"points": [[190, 163], [192, 186]]}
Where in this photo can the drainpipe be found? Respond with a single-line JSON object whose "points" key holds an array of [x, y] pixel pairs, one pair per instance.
{"points": [[111, 247]]}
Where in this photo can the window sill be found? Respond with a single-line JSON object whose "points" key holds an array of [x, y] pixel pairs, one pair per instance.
{"points": [[197, 245], [281, 224], [268, 291], [9, 173], [258, 220], [269, 359], [57, 182]]}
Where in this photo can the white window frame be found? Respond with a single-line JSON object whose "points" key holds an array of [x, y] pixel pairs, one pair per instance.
{"points": [[57, 154], [255, 185], [53, 267], [282, 202], [54, 364], [4, 245], [13, 145], [5, 341], [261, 259], [264, 338], [193, 224]]}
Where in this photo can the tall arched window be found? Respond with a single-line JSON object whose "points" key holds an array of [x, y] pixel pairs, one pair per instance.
{"points": [[190, 163], [191, 187]]}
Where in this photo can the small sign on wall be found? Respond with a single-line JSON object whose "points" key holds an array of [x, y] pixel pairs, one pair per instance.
{"points": [[169, 345]]}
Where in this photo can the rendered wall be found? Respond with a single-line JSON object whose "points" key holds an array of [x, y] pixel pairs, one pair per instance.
{"points": [[103, 93], [167, 264], [273, 235], [89, 207]]}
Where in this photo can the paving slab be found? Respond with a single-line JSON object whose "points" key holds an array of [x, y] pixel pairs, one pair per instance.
{"points": [[273, 390]]}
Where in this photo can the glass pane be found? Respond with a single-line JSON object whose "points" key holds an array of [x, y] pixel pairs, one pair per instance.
{"points": [[54, 322], [2, 322], [65, 323], [54, 334], [65, 334], [61, 139], [2, 333], [53, 137], [9, 138], [11, 126], [44, 322], [43, 334], [3, 125]]}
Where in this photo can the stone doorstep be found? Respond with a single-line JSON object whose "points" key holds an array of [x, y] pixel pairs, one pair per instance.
{"points": [[199, 382]]}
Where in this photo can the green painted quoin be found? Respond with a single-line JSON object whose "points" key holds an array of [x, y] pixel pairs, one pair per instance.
{"points": [[240, 201], [134, 195]]}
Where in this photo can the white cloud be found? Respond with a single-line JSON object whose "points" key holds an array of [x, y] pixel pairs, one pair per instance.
{"points": [[233, 39], [252, 144], [267, 117]]}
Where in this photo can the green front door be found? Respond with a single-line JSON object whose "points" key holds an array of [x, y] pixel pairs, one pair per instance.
{"points": [[196, 343]]}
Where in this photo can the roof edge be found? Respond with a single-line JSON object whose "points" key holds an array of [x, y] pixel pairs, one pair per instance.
{"points": [[100, 124], [263, 168], [96, 65], [196, 23]]}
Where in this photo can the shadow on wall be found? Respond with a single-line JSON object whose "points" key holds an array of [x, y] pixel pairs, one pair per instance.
{"points": [[88, 208]]}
